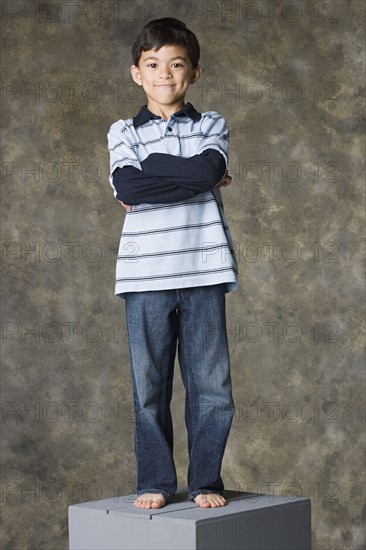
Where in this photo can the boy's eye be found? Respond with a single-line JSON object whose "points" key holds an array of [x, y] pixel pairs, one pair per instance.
{"points": [[178, 64]]}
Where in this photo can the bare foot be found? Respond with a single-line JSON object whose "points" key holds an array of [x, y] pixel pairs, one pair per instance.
{"points": [[207, 500], [150, 500]]}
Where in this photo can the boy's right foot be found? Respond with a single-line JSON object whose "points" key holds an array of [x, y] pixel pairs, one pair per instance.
{"points": [[150, 500]]}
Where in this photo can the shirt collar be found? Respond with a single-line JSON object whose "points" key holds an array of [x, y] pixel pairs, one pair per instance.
{"points": [[144, 114]]}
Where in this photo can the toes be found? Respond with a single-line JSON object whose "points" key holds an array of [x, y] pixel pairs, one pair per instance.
{"points": [[149, 502], [141, 502], [210, 500]]}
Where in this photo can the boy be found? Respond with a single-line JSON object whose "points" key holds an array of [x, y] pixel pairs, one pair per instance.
{"points": [[175, 264]]}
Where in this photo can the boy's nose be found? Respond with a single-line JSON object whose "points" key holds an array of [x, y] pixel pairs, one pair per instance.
{"points": [[164, 72]]}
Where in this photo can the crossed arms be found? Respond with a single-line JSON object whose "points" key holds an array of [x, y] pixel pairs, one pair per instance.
{"points": [[169, 178]]}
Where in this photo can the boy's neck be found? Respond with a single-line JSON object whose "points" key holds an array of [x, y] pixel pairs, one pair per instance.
{"points": [[165, 111]]}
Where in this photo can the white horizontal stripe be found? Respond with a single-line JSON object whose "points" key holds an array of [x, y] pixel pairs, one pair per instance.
{"points": [[182, 280], [156, 276]]}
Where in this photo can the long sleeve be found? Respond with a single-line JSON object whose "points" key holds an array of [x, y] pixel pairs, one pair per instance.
{"points": [[134, 186], [168, 178], [200, 172]]}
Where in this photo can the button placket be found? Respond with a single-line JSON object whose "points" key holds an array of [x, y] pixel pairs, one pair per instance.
{"points": [[169, 123]]}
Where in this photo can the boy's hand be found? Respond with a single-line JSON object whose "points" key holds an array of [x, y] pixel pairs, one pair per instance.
{"points": [[127, 206], [226, 180]]}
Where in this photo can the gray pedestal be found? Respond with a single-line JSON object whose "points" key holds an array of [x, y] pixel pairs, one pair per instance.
{"points": [[249, 521]]}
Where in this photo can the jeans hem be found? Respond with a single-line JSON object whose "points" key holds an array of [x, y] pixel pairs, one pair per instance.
{"points": [[155, 491]]}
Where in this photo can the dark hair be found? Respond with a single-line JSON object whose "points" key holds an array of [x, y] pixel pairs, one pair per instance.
{"points": [[164, 32]]}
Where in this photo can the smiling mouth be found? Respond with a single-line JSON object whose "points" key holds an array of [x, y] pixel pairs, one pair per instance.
{"points": [[165, 85]]}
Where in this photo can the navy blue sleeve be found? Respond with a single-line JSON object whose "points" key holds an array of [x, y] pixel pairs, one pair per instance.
{"points": [[134, 186], [200, 172], [169, 178]]}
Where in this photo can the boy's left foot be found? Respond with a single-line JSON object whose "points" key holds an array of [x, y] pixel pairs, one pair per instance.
{"points": [[207, 500], [150, 500]]}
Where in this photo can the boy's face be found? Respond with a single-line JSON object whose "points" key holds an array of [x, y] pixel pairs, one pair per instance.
{"points": [[165, 76]]}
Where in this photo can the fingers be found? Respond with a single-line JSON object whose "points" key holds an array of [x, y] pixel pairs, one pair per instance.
{"points": [[126, 206], [226, 180]]}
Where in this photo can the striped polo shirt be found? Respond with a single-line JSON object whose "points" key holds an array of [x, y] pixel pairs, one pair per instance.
{"points": [[181, 243]]}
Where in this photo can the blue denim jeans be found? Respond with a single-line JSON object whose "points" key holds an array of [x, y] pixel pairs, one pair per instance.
{"points": [[194, 317]]}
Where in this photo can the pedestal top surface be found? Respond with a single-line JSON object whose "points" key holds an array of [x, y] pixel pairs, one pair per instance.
{"points": [[180, 508]]}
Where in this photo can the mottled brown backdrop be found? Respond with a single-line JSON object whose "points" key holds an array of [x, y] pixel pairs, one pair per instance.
{"points": [[289, 79]]}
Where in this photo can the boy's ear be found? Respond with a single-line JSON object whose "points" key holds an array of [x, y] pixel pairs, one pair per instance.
{"points": [[136, 75], [196, 74]]}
